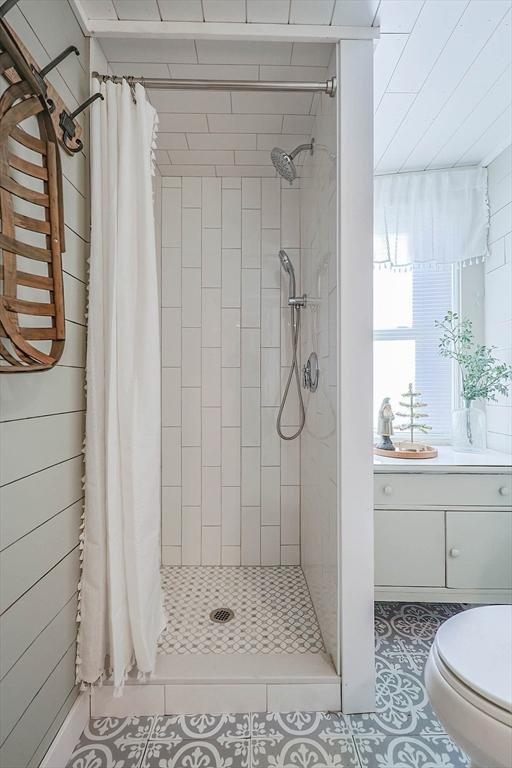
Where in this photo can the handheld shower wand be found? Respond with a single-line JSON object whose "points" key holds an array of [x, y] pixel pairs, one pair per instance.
{"points": [[293, 300], [288, 268], [295, 303]]}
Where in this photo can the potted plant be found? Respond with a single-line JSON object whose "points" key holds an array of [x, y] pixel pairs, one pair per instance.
{"points": [[482, 378]]}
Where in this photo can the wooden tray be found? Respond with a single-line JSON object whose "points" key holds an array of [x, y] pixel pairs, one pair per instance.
{"points": [[430, 453]]}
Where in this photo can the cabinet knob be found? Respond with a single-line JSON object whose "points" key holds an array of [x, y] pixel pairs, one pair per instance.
{"points": [[504, 490], [454, 552], [388, 490]]}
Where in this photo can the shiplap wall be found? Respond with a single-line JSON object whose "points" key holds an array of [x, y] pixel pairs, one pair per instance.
{"points": [[40, 461], [498, 292]]}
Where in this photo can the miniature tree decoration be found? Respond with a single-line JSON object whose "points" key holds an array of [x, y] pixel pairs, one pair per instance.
{"points": [[414, 415]]}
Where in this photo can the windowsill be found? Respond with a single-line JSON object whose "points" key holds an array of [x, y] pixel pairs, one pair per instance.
{"points": [[447, 460]]}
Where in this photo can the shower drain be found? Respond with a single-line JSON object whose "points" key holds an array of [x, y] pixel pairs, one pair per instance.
{"points": [[221, 615]]}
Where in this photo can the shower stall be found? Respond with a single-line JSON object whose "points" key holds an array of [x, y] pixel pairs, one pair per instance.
{"points": [[266, 463]]}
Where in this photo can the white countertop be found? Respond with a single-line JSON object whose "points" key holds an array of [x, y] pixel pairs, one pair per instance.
{"points": [[446, 461]]}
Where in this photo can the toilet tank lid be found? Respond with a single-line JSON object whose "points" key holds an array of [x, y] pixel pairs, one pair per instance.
{"points": [[476, 645]]}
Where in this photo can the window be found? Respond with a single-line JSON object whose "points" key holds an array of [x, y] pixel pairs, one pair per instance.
{"points": [[406, 306]]}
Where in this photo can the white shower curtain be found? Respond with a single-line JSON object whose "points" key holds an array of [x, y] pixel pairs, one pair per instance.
{"points": [[120, 609]]}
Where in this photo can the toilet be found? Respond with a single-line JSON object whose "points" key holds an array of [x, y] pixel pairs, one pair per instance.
{"points": [[469, 683]]}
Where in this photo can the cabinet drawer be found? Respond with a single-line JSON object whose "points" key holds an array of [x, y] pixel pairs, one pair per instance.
{"points": [[479, 550], [442, 490], [409, 548]]}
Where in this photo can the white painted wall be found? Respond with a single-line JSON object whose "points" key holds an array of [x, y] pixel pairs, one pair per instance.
{"points": [[498, 292], [231, 491], [355, 374], [319, 509], [40, 456]]}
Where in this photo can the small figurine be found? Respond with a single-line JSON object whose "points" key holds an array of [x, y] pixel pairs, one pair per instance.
{"points": [[385, 426]]}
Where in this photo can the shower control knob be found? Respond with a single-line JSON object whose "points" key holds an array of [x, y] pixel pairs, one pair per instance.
{"points": [[311, 373], [388, 490], [454, 552]]}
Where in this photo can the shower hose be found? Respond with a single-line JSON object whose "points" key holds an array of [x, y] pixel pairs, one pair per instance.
{"points": [[294, 368]]}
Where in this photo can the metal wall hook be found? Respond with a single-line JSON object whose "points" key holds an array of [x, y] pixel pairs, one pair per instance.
{"points": [[57, 60], [7, 7], [67, 123], [41, 73]]}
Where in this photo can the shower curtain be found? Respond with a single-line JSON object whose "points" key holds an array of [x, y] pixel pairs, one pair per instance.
{"points": [[120, 611]]}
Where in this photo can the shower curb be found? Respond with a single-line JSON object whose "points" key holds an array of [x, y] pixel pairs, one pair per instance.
{"points": [[223, 683]]}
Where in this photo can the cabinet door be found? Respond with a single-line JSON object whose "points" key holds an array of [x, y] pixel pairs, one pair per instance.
{"points": [[409, 548], [479, 550]]}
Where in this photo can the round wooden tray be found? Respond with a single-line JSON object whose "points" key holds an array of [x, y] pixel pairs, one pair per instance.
{"points": [[429, 453]]}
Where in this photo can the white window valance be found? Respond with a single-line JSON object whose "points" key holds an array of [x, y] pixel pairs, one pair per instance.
{"points": [[431, 218]]}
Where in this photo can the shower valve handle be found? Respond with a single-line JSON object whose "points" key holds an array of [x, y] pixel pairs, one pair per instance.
{"points": [[310, 373]]}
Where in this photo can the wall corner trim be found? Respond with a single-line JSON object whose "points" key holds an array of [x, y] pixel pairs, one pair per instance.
{"points": [[67, 736]]}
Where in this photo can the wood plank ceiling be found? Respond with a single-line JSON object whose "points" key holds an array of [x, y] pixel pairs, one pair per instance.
{"points": [[443, 80]]}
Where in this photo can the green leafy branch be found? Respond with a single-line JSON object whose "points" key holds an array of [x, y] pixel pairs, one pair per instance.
{"points": [[483, 376]]}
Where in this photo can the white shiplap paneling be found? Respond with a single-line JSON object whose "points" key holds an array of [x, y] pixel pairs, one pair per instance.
{"points": [[306, 12], [498, 304], [493, 60], [268, 11], [471, 34], [432, 30], [40, 451], [181, 10], [134, 10], [436, 64]]}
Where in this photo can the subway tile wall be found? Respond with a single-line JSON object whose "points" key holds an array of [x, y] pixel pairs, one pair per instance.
{"points": [[319, 513], [231, 487]]}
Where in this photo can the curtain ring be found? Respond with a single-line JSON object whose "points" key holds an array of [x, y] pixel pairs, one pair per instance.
{"points": [[131, 82]]}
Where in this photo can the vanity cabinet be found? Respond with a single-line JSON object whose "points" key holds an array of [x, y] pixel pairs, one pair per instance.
{"points": [[479, 550], [409, 547], [443, 536]]}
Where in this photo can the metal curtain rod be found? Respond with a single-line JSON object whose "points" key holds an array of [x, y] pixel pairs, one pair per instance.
{"points": [[164, 83]]}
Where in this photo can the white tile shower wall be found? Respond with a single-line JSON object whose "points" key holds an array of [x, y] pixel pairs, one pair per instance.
{"points": [[498, 295], [319, 532], [231, 492]]}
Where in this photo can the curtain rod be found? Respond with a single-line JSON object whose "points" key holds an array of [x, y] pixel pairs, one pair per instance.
{"points": [[164, 83]]}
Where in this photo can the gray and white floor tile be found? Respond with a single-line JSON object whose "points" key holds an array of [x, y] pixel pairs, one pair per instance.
{"points": [[116, 742], [301, 739], [402, 733], [199, 740]]}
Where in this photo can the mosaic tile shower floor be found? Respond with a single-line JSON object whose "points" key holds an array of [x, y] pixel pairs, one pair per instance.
{"points": [[403, 732], [272, 607]]}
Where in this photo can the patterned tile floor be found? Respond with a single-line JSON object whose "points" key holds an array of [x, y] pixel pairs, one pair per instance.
{"points": [[403, 732], [272, 606]]}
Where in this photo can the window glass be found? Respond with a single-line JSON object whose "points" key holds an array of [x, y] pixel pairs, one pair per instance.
{"points": [[406, 306]]}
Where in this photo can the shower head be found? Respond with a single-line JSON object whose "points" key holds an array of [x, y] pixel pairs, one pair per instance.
{"points": [[288, 268], [283, 161]]}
